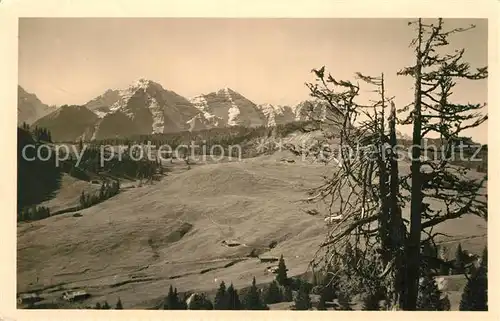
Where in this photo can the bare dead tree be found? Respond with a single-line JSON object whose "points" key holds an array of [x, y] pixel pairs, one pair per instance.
{"points": [[364, 190], [435, 73]]}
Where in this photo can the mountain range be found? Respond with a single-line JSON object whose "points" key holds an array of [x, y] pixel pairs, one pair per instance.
{"points": [[145, 107], [30, 108]]}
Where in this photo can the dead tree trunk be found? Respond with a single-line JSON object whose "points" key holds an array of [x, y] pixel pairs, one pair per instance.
{"points": [[396, 225], [413, 244]]}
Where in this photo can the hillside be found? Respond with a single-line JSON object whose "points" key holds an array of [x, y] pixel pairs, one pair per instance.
{"points": [[137, 243], [68, 123]]}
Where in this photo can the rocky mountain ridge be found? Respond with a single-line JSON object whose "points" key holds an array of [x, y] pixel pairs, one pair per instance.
{"points": [[145, 107]]}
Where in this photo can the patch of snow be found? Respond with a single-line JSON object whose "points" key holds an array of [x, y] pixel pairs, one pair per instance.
{"points": [[100, 114], [140, 84], [158, 116], [233, 111]]}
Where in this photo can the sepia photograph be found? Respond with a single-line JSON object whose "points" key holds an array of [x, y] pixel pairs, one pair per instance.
{"points": [[216, 163]]}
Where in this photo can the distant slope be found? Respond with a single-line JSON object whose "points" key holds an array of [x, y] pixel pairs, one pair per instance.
{"points": [[68, 123], [29, 107]]}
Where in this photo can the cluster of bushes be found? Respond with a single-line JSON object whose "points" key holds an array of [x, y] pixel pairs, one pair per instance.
{"points": [[33, 213], [107, 190], [334, 290], [252, 298], [105, 306]]}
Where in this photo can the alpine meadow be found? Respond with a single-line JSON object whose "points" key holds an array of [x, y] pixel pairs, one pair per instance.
{"points": [[252, 164]]}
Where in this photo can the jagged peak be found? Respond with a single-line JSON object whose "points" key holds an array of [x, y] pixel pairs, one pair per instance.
{"points": [[143, 83], [226, 91]]}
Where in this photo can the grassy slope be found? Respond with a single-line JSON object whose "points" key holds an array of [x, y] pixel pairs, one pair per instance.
{"points": [[128, 246], [69, 194]]}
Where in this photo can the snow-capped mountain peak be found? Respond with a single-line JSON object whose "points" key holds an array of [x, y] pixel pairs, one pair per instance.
{"points": [[226, 107], [277, 114]]}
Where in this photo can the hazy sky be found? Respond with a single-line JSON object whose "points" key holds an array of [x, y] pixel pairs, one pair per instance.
{"points": [[72, 60]]}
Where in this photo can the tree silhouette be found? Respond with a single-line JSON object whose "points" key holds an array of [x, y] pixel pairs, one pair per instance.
{"points": [[273, 294], [281, 276], [119, 305], [252, 300], [221, 298], [233, 298], [429, 296], [303, 301], [475, 294]]}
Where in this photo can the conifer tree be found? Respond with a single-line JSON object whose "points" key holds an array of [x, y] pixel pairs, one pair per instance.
{"points": [[459, 260], [98, 306], [429, 296], [233, 298], [106, 306], [303, 301], [252, 300], [172, 300], [475, 294], [273, 294], [281, 276], [119, 305], [435, 74], [220, 301]]}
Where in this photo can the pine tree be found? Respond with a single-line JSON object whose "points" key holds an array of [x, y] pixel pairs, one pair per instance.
{"points": [[106, 306], [429, 296], [98, 306], [273, 294], [119, 305], [281, 276], [233, 298], [172, 300], [475, 294], [252, 299], [435, 74], [220, 301], [459, 260], [303, 301]]}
